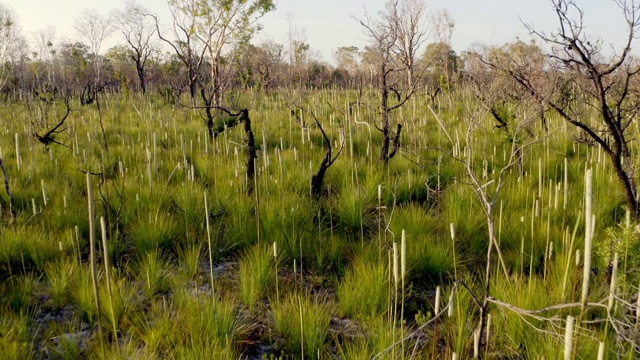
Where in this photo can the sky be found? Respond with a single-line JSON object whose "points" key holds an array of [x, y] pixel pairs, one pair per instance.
{"points": [[329, 24]]}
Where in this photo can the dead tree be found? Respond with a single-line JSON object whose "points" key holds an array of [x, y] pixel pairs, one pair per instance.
{"points": [[500, 94], [48, 138], [603, 84], [389, 49], [184, 45], [327, 161], [487, 193], [137, 29], [91, 94]]}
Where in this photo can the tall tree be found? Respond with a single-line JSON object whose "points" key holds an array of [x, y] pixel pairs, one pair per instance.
{"points": [[299, 53], [184, 43], [258, 65], [348, 58], [443, 26], [137, 28], [385, 41], [412, 33], [220, 23], [43, 56], [267, 62], [10, 40], [94, 29]]}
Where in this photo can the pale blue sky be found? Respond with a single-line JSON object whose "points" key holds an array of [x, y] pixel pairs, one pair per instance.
{"points": [[329, 24]]}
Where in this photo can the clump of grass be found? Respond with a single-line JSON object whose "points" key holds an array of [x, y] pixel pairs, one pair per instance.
{"points": [[12, 253], [83, 295], [429, 259], [302, 322], [153, 231], [189, 259], [363, 291], [156, 328], [18, 293], [459, 205], [154, 270], [119, 302], [190, 205], [378, 337], [59, 275], [240, 225], [327, 254], [210, 327], [256, 270], [15, 340], [461, 317], [18, 255], [355, 214]]}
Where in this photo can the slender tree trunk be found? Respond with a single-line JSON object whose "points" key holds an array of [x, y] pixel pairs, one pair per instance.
{"points": [[104, 133], [384, 109], [209, 112], [215, 78], [251, 149], [193, 83], [410, 73], [484, 310]]}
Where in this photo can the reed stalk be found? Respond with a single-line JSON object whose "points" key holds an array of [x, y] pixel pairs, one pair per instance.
{"points": [[587, 241], [209, 245], [92, 258], [107, 273], [568, 338]]}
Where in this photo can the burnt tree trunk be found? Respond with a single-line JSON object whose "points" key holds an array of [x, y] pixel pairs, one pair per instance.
{"points": [[141, 76], [384, 110], [208, 112], [193, 83], [327, 161], [251, 149], [625, 176], [318, 178]]}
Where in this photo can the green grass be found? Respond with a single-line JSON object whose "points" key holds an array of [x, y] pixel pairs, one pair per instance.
{"points": [[302, 321], [154, 269], [256, 275], [364, 290], [15, 340], [162, 304]]}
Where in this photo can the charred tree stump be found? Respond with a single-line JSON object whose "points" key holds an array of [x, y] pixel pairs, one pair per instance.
{"points": [[49, 137], [251, 148], [327, 161]]}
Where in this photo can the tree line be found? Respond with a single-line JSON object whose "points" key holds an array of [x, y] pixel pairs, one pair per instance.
{"points": [[200, 46]]}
